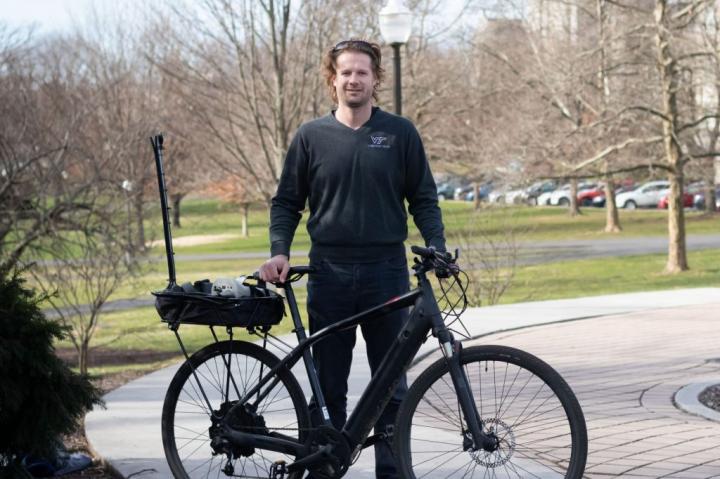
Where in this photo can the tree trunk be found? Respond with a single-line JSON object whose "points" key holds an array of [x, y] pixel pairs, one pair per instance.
{"points": [[574, 209], [612, 218], [83, 356], [709, 193], [476, 196], [245, 208], [669, 80], [176, 199], [677, 256]]}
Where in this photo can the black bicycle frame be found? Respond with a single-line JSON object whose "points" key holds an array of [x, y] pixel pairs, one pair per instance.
{"points": [[425, 317]]}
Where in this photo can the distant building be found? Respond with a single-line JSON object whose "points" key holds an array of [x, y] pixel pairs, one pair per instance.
{"points": [[552, 17]]}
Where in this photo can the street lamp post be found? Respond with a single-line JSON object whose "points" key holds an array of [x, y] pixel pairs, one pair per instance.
{"points": [[395, 26], [397, 90], [127, 185]]}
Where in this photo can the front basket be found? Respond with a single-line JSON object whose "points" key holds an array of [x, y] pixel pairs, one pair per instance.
{"points": [[259, 311]]}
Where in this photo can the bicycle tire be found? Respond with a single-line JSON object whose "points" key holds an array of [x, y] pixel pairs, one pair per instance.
{"points": [[541, 427], [186, 421]]}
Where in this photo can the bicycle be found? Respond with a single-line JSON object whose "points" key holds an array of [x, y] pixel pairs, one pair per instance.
{"points": [[234, 409]]}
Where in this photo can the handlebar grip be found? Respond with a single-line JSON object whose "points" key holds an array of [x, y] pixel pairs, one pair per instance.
{"points": [[426, 252], [260, 282]]}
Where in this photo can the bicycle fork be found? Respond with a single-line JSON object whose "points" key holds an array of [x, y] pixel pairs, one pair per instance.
{"points": [[452, 350]]}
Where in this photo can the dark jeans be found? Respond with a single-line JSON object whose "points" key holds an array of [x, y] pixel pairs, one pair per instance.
{"points": [[335, 292]]}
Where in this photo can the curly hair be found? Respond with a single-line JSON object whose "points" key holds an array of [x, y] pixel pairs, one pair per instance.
{"points": [[329, 64]]}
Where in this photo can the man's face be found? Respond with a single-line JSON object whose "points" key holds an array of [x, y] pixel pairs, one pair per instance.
{"points": [[354, 80]]}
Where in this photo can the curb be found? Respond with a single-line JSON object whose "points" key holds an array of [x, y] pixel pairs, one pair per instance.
{"points": [[686, 399]]}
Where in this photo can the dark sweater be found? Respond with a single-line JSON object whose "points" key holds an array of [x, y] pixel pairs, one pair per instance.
{"points": [[355, 182]]}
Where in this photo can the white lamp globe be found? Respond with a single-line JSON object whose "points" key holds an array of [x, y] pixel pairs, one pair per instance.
{"points": [[395, 22]]}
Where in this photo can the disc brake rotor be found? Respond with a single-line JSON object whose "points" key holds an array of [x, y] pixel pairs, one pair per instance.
{"points": [[506, 445]]}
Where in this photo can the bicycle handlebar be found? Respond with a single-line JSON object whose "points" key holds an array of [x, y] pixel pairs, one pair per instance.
{"points": [[424, 252], [294, 273], [431, 253], [443, 262]]}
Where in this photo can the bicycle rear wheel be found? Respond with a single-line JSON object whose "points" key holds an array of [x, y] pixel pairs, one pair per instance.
{"points": [[225, 371], [528, 405]]}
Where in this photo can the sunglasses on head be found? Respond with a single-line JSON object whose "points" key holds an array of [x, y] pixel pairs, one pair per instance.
{"points": [[361, 45]]}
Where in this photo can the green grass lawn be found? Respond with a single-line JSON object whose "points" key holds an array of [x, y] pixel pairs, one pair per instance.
{"points": [[208, 217], [141, 329], [592, 277]]}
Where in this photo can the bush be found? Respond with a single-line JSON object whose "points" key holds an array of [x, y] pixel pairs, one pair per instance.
{"points": [[40, 397]]}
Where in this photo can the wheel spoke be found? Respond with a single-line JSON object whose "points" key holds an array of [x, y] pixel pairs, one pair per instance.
{"points": [[224, 372], [519, 398]]}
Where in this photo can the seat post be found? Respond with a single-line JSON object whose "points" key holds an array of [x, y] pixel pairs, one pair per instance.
{"points": [[298, 327]]}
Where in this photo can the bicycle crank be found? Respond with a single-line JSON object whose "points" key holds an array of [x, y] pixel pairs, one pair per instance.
{"points": [[329, 456]]}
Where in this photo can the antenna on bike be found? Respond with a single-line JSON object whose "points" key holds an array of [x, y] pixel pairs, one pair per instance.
{"points": [[157, 144]]}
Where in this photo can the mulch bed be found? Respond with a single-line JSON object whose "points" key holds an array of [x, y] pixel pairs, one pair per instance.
{"points": [[711, 397], [77, 442]]}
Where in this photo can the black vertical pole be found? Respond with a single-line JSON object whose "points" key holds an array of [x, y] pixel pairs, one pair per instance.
{"points": [[398, 82], [157, 144]]}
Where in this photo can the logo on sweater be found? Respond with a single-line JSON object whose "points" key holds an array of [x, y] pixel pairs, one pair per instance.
{"points": [[379, 141]]}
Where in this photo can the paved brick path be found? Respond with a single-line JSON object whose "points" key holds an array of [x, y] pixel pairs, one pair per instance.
{"points": [[625, 367], [625, 371]]}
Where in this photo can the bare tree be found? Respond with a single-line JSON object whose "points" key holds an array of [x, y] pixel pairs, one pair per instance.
{"points": [[128, 108], [79, 280], [49, 181], [247, 72], [235, 190], [490, 252]]}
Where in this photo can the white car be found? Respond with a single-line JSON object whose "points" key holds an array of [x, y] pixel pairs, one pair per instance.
{"points": [[544, 198], [561, 196], [646, 195]]}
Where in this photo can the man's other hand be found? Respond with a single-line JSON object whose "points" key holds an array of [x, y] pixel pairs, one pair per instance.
{"points": [[275, 269]]}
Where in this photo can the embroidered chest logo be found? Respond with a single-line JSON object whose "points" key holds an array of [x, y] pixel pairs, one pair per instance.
{"points": [[379, 141]]}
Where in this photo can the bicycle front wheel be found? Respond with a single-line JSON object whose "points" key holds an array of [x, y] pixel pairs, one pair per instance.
{"points": [[522, 400], [223, 373]]}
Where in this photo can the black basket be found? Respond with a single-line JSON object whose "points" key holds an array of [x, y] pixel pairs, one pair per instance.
{"points": [[193, 304], [264, 309]]}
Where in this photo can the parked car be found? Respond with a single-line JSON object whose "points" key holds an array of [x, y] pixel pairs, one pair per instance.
{"points": [[461, 191], [586, 196], [561, 196], [539, 188], [498, 195], [446, 190], [687, 201], [599, 201], [646, 195], [699, 199], [484, 190], [544, 198], [516, 196]]}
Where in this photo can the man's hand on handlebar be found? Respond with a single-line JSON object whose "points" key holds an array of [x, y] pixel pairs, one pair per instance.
{"points": [[275, 270], [443, 262]]}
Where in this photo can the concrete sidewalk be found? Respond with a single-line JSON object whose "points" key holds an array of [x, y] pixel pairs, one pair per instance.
{"points": [[639, 330]]}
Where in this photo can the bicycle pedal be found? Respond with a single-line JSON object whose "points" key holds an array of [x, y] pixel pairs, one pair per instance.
{"points": [[278, 469]]}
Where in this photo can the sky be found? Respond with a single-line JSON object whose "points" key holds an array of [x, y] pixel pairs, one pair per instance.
{"points": [[47, 15], [50, 16]]}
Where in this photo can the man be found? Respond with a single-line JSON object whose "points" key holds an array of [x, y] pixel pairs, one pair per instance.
{"points": [[354, 167]]}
